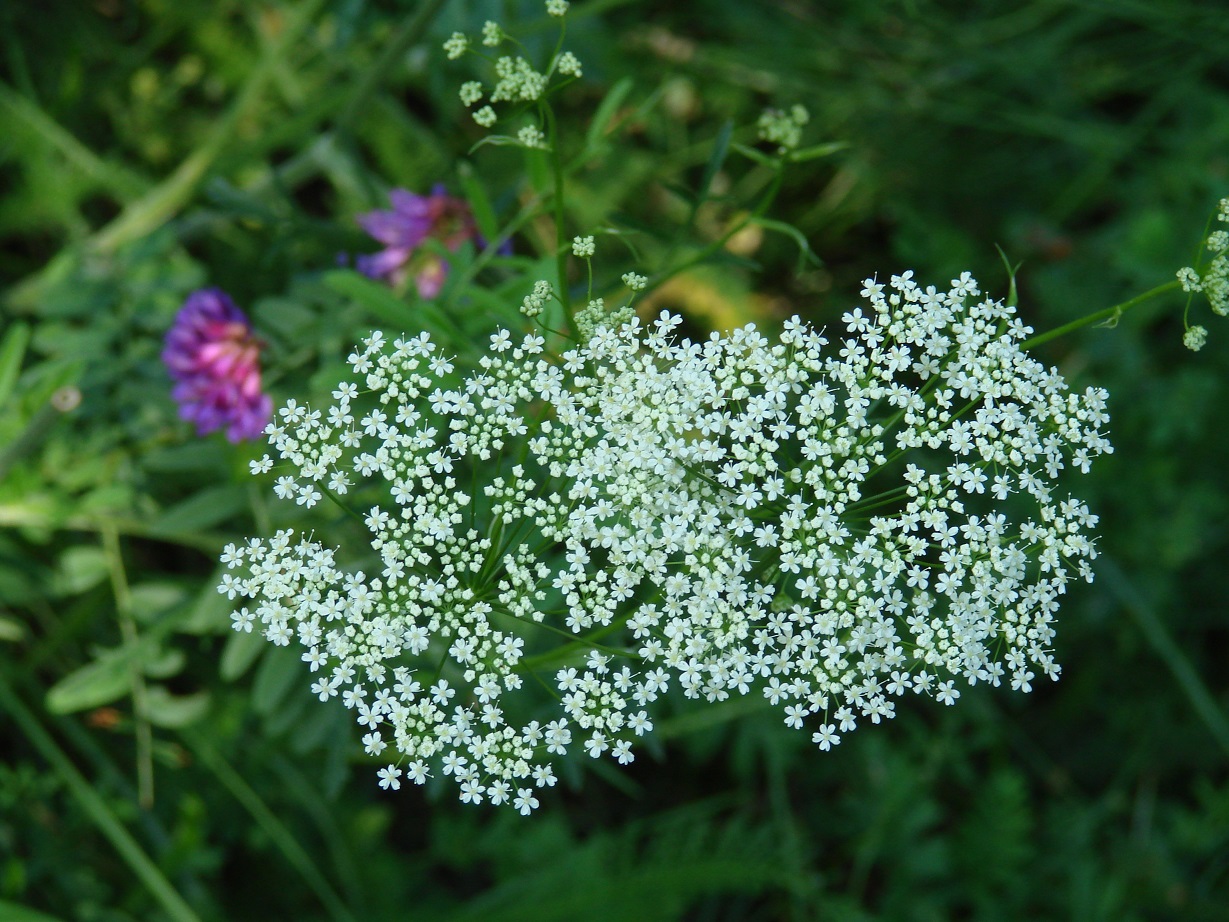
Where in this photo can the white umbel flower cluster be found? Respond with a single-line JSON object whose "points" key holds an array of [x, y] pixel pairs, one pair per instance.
{"points": [[829, 526], [1211, 277]]}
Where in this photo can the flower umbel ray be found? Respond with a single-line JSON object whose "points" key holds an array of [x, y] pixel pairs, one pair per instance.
{"points": [[829, 525]]}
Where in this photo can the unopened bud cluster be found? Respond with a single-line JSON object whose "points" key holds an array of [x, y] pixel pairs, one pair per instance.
{"points": [[783, 128], [1211, 278], [516, 82]]}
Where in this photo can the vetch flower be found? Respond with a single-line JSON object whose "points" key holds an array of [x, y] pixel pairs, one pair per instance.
{"points": [[214, 359], [403, 230], [827, 525]]}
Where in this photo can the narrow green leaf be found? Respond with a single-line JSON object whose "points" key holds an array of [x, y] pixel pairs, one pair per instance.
{"points": [[207, 508], [149, 600], [99, 682], [197, 455], [241, 650], [752, 154], [12, 351], [277, 672], [805, 253], [174, 711], [817, 151], [606, 110], [160, 664], [81, 568], [479, 201], [108, 677], [209, 614], [716, 160], [385, 306], [11, 630]]}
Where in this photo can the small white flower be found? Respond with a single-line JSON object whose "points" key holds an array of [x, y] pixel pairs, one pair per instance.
{"points": [[583, 247], [388, 777]]}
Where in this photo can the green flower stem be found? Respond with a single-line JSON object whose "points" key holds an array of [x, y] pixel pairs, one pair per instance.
{"points": [[136, 680], [92, 803], [561, 248], [1110, 313], [341, 504], [537, 661], [576, 641]]}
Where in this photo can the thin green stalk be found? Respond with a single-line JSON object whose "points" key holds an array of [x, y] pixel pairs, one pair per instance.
{"points": [[1108, 314], [268, 821], [561, 248], [574, 638], [140, 699], [92, 803], [1202, 701]]}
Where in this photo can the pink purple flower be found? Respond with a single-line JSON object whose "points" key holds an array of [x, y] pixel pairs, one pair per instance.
{"points": [[403, 230], [214, 358]]}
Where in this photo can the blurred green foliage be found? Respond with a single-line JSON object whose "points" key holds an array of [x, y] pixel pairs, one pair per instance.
{"points": [[156, 766]]}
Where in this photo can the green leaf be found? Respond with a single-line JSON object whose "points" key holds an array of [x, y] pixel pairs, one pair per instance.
{"points": [[210, 506], [385, 306], [149, 600], [210, 614], [11, 630], [108, 676], [816, 151], [174, 711], [721, 150], [162, 664], [284, 316], [197, 455], [81, 568], [240, 652], [12, 351], [99, 682], [598, 128], [276, 674], [752, 154], [479, 202], [805, 253]]}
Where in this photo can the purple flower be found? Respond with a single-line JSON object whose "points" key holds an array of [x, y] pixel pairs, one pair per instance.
{"points": [[215, 361], [413, 219]]}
